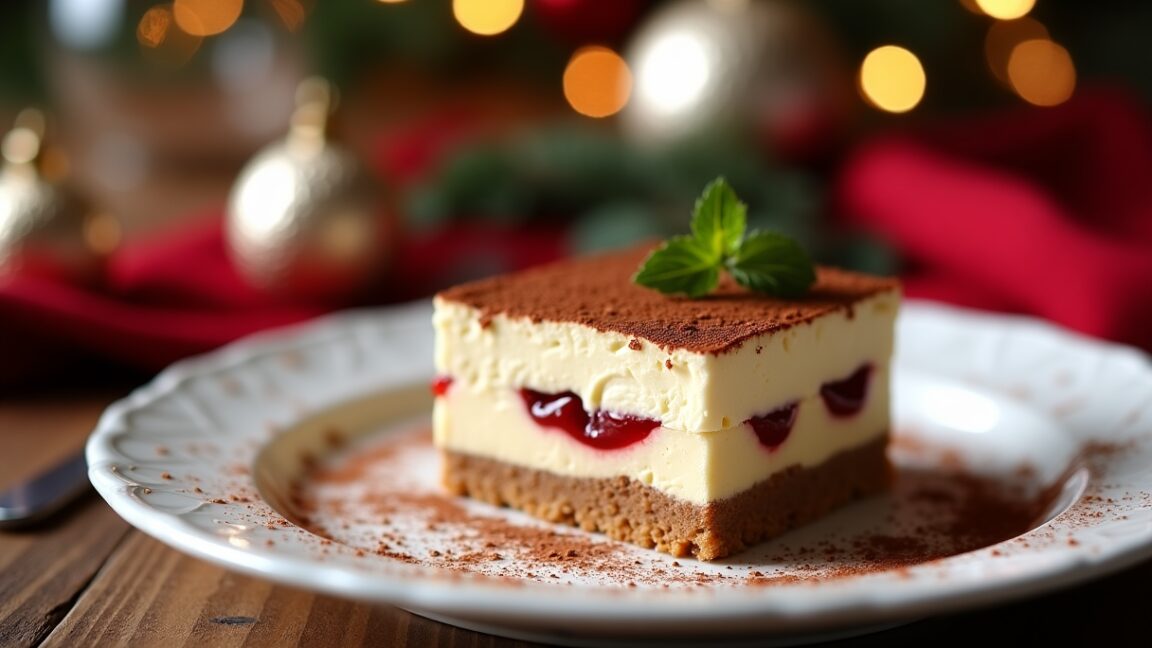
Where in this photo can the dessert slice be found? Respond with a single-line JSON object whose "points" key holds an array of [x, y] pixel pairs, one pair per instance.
{"points": [[694, 426]]}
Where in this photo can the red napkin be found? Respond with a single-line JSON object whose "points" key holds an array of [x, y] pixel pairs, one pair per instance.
{"points": [[1039, 211], [169, 297]]}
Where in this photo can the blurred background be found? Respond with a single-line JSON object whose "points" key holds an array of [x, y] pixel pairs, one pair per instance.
{"points": [[180, 174]]}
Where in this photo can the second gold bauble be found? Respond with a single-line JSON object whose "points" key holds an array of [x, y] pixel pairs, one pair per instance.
{"points": [[305, 219]]}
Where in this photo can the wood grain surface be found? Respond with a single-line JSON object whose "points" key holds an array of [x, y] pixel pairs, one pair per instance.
{"points": [[149, 595], [87, 579], [46, 567]]}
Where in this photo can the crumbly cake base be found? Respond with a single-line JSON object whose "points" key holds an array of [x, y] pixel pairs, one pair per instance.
{"points": [[627, 510]]}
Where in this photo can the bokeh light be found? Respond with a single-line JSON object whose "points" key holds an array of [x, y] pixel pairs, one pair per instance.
{"points": [[161, 42], [84, 24], [102, 233], [487, 17], [971, 6], [892, 79], [673, 73], [1006, 9], [206, 17], [20, 145], [152, 30], [597, 82], [291, 13], [1003, 36], [1042, 72]]}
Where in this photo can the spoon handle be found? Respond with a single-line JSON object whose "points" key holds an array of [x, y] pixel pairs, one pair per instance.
{"points": [[42, 495]]}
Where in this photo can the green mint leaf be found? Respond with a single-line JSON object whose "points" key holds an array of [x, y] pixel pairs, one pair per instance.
{"points": [[772, 263], [681, 265], [761, 261], [719, 220]]}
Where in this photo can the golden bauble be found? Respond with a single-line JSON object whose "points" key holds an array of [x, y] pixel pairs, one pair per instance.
{"points": [[743, 68], [305, 219], [44, 229]]}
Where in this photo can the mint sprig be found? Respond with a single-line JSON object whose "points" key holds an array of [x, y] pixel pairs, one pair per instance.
{"points": [[763, 261]]}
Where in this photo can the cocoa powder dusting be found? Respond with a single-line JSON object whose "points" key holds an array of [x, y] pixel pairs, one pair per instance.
{"points": [[384, 499], [720, 322]]}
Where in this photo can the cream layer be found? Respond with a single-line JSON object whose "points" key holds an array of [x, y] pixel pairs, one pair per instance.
{"points": [[695, 466], [681, 389]]}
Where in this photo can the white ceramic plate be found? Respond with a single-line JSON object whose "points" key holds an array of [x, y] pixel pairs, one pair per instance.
{"points": [[206, 459]]}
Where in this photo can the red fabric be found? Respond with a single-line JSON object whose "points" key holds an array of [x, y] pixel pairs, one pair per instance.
{"points": [[1039, 211], [410, 151], [177, 295], [151, 311]]}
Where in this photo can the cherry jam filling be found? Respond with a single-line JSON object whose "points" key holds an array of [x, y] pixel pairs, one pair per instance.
{"points": [[605, 430], [842, 398], [601, 429], [440, 385], [846, 397], [774, 427]]}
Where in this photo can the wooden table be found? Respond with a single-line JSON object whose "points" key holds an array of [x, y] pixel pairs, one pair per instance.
{"points": [[89, 579]]}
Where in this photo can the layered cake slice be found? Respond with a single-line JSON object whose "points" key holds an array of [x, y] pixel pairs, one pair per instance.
{"points": [[693, 426]]}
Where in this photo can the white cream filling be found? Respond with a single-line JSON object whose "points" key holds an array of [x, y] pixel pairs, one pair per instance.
{"points": [[695, 466], [682, 389]]}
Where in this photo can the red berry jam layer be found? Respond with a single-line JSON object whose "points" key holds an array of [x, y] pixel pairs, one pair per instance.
{"points": [[774, 427], [600, 429], [440, 385], [605, 430], [846, 397]]}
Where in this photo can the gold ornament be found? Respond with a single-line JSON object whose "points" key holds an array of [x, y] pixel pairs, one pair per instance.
{"points": [[44, 230], [760, 68], [304, 218]]}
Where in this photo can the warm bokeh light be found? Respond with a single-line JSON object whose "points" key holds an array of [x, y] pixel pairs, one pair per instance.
{"points": [[55, 165], [597, 82], [102, 233], [1041, 72], [487, 17], [971, 6], [892, 79], [206, 17], [161, 43], [1006, 9], [1003, 36], [20, 145], [153, 26], [291, 13]]}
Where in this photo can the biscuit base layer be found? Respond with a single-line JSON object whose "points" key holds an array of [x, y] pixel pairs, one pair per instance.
{"points": [[627, 510]]}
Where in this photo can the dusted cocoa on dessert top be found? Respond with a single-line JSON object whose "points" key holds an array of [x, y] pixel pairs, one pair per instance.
{"points": [[597, 291]]}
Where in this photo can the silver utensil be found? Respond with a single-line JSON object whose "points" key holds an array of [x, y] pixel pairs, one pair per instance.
{"points": [[36, 499]]}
